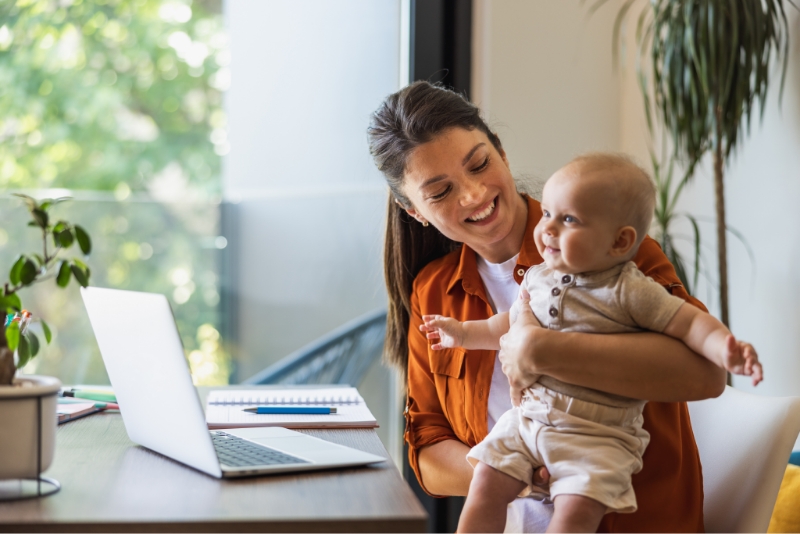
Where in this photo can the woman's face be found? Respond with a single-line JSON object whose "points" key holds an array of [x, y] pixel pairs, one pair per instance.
{"points": [[463, 186]]}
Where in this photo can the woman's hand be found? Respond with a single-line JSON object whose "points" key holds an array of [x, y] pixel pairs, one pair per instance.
{"points": [[518, 348]]}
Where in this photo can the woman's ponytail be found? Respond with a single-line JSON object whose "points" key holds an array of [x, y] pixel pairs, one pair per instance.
{"points": [[408, 248], [405, 120]]}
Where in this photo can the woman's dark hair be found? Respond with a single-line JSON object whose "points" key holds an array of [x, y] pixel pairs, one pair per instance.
{"points": [[405, 120]]}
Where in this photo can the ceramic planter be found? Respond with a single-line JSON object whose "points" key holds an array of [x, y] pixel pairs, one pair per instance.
{"points": [[20, 407]]}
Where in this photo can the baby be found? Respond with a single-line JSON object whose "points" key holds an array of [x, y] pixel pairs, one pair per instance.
{"points": [[595, 213]]}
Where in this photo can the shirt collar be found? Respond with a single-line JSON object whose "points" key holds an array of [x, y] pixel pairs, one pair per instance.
{"points": [[467, 271], [595, 278]]}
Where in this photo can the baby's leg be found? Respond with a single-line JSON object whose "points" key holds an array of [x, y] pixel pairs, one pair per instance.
{"points": [[576, 513], [490, 492]]}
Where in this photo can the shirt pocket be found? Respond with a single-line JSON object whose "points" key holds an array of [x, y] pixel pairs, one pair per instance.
{"points": [[447, 366]]}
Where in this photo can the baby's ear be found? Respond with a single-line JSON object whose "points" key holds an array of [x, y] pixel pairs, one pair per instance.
{"points": [[624, 241]]}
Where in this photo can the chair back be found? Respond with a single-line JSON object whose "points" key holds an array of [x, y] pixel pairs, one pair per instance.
{"points": [[342, 356], [744, 441]]}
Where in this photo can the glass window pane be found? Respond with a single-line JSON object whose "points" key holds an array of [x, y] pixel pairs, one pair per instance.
{"points": [[118, 103]]}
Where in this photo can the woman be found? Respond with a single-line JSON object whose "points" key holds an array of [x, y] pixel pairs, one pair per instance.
{"points": [[459, 238]]}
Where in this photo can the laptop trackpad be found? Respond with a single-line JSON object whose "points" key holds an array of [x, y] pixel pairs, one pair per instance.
{"points": [[313, 449], [290, 445]]}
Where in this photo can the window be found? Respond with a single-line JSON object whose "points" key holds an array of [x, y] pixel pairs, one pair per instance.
{"points": [[118, 104], [216, 152]]}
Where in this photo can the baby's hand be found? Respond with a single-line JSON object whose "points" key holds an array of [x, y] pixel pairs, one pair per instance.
{"points": [[740, 358], [521, 305], [448, 331], [523, 300]]}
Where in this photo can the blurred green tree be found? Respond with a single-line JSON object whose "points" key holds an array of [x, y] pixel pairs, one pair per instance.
{"points": [[122, 97], [105, 94]]}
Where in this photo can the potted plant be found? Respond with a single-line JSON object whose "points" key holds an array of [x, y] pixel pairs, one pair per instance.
{"points": [[28, 403], [706, 63]]}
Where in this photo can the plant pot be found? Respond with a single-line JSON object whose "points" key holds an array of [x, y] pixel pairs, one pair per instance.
{"points": [[25, 450]]}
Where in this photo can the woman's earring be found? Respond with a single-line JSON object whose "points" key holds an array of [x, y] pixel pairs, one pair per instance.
{"points": [[425, 223]]}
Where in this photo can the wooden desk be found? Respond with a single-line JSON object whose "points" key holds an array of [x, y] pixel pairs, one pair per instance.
{"points": [[108, 484]]}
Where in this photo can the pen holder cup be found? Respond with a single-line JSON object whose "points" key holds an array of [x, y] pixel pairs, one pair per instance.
{"points": [[28, 426]]}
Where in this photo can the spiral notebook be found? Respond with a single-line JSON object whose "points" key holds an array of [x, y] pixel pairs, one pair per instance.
{"points": [[225, 408]]}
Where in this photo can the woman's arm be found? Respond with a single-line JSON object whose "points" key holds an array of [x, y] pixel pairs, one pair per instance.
{"points": [[427, 427], [444, 468], [645, 366]]}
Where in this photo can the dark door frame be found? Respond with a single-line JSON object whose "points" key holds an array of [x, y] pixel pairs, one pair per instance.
{"points": [[441, 52], [441, 43]]}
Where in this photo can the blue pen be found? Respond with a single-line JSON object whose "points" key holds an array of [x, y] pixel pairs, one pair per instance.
{"points": [[292, 410]]}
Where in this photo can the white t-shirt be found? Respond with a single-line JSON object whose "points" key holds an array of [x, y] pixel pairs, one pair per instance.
{"points": [[524, 515], [502, 290]]}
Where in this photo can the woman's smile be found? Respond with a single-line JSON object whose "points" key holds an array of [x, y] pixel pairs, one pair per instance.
{"points": [[485, 214]]}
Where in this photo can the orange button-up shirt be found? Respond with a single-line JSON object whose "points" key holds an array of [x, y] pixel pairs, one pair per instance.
{"points": [[448, 390]]}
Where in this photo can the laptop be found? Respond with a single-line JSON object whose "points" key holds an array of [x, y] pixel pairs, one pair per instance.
{"points": [[145, 361]]}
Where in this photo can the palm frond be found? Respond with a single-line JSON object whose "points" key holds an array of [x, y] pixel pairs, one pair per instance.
{"points": [[708, 68]]}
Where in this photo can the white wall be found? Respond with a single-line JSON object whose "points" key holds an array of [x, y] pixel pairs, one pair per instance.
{"points": [[305, 77], [543, 74]]}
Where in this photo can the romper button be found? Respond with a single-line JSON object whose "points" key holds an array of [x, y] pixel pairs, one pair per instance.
{"points": [[556, 292], [553, 312], [566, 279], [520, 272]]}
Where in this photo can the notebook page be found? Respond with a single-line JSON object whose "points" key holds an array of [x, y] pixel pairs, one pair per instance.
{"points": [[225, 408], [266, 397], [233, 416]]}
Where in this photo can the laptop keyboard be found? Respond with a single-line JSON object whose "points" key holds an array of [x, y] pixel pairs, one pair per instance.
{"points": [[238, 452]]}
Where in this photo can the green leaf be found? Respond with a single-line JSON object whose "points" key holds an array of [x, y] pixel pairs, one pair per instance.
{"points": [[697, 243], [14, 275], [64, 272], [64, 238], [84, 241], [46, 203], [48, 336], [744, 242], [10, 303], [41, 217], [60, 226], [12, 336], [80, 275], [28, 272], [30, 201], [33, 341], [23, 352], [79, 263]]}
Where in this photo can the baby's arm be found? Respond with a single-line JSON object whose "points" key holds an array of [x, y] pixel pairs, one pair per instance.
{"points": [[469, 334], [705, 335]]}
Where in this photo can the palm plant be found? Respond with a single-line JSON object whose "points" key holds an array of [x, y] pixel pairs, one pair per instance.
{"points": [[709, 62], [668, 191]]}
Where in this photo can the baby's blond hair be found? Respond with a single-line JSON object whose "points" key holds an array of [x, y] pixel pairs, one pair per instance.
{"points": [[632, 186]]}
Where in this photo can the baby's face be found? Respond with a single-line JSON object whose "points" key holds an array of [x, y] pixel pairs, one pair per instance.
{"points": [[578, 227]]}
